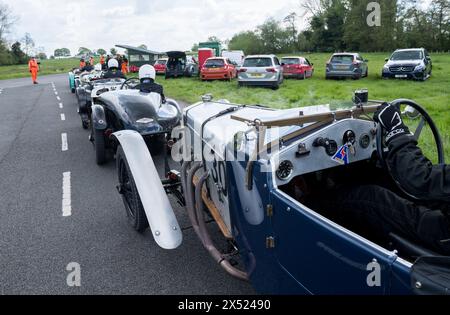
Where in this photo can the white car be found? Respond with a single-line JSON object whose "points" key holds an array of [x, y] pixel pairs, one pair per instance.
{"points": [[236, 56], [261, 70]]}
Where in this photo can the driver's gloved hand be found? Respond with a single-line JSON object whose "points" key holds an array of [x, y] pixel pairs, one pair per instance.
{"points": [[391, 119]]}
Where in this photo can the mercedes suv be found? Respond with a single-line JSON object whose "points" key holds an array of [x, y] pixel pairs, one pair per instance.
{"points": [[408, 64]]}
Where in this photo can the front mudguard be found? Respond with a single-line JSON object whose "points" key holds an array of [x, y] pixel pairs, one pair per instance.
{"points": [[99, 117], [160, 215]]}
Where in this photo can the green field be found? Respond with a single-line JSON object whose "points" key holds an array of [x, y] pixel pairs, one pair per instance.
{"points": [[46, 67], [433, 94]]}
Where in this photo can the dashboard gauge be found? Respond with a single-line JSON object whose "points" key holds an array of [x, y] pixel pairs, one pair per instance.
{"points": [[285, 170], [364, 141]]}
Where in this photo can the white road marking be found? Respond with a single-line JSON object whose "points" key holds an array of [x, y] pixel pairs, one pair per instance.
{"points": [[58, 98], [56, 93], [61, 105], [67, 195], [63, 117], [65, 144]]}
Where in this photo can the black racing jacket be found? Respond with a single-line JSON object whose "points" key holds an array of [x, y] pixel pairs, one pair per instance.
{"points": [[417, 175], [110, 74], [151, 87]]}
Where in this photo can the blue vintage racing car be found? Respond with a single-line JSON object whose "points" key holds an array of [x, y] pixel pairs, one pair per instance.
{"points": [[247, 167]]}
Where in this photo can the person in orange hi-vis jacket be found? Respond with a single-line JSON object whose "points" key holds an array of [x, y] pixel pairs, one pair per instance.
{"points": [[125, 66], [34, 69], [82, 63]]}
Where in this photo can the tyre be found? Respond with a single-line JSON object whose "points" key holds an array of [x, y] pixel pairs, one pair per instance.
{"points": [[73, 90], [240, 84], [85, 124], [276, 86], [367, 73], [130, 195], [100, 147]]}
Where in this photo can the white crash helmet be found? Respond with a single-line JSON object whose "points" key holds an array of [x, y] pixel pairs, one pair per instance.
{"points": [[98, 67], [113, 63], [147, 72]]}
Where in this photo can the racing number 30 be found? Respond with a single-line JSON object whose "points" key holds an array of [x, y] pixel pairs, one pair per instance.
{"points": [[219, 176]]}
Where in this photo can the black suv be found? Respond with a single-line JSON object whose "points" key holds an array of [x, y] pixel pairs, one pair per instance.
{"points": [[408, 64]]}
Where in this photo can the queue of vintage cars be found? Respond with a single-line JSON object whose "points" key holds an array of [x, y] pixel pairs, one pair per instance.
{"points": [[243, 167]]}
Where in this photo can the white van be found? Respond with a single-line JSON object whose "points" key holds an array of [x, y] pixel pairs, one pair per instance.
{"points": [[236, 56]]}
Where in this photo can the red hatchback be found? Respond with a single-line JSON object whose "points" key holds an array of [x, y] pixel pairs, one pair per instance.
{"points": [[297, 67], [218, 68], [160, 66]]}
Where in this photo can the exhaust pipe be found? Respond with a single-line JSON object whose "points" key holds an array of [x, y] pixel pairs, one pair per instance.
{"points": [[205, 237]]}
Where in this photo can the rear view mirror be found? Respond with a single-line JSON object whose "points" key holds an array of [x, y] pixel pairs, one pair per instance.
{"points": [[366, 60], [387, 59], [283, 64]]}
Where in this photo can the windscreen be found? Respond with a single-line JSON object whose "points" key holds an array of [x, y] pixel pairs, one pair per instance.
{"points": [[291, 61], [407, 55], [161, 62], [258, 62], [214, 63], [343, 59]]}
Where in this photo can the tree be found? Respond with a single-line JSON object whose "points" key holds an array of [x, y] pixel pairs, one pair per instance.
{"points": [[273, 37], [28, 44], [101, 51], [143, 46], [194, 47], [19, 56], [291, 21], [84, 51], [249, 42], [7, 20], [42, 56], [113, 51], [214, 39]]}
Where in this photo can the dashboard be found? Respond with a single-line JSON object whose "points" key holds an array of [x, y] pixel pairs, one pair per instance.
{"points": [[342, 143]]}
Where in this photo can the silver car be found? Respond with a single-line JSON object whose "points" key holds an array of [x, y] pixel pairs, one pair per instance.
{"points": [[263, 70], [347, 65]]}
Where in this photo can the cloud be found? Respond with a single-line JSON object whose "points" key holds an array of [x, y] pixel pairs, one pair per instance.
{"points": [[159, 24]]}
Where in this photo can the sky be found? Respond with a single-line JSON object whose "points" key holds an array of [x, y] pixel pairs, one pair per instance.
{"points": [[162, 25]]}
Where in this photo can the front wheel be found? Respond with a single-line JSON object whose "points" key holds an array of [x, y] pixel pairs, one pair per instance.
{"points": [[130, 195], [100, 147]]}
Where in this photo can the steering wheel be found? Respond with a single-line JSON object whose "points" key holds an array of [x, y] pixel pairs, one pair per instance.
{"points": [[425, 119], [128, 83]]}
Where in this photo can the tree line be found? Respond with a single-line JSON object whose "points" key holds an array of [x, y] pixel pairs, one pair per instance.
{"points": [[357, 25]]}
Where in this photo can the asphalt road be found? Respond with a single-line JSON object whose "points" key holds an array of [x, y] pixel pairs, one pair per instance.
{"points": [[37, 243]]}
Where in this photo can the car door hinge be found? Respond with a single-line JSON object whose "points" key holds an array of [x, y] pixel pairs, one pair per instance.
{"points": [[270, 211], [270, 242]]}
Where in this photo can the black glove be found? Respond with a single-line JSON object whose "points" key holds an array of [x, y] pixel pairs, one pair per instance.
{"points": [[391, 119]]}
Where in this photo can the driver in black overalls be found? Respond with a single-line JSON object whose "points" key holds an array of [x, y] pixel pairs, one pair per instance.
{"points": [[426, 220], [147, 75], [113, 70]]}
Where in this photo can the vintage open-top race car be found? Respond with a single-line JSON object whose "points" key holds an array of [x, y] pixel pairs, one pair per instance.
{"points": [[247, 167], [89, 93], [74, 77], [127, 108]]}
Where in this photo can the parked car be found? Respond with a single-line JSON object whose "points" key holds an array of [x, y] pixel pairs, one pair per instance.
{"points": [[347, 65], [263, 70], [160, 65], [236, 56], [297, 67], [218, 68], [409, 64], [180, 65]]}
